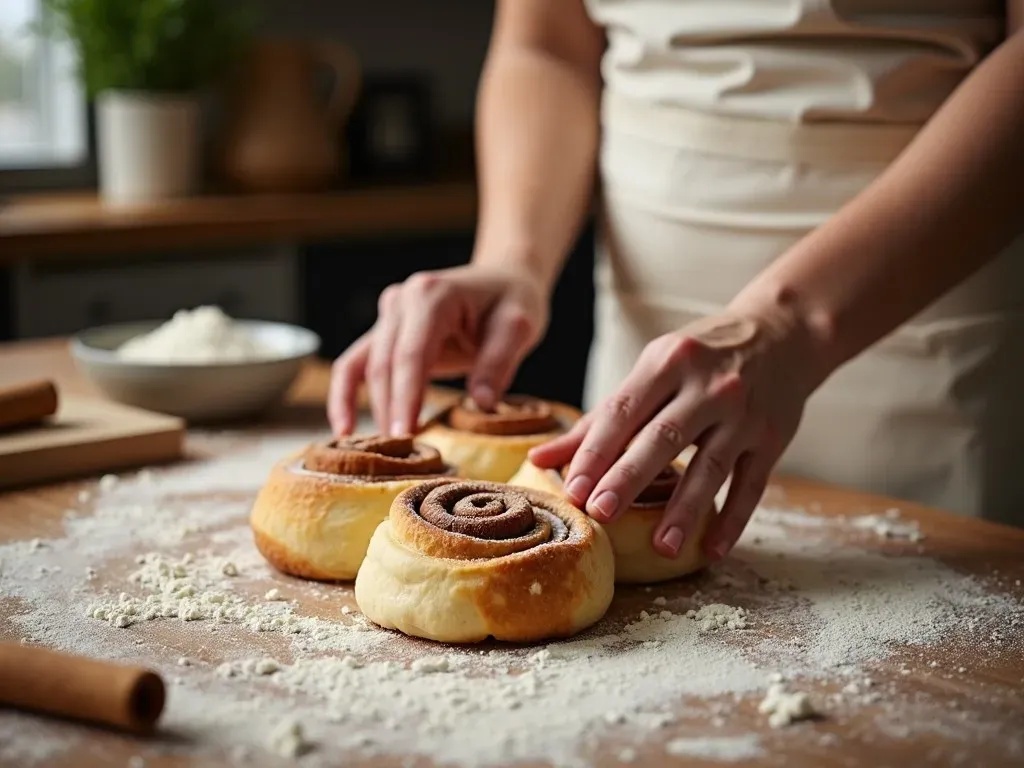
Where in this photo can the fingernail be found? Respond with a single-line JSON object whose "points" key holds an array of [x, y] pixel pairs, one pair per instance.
{"points": [[398, 428], [604, 506], [672, 539], [579, 488]]}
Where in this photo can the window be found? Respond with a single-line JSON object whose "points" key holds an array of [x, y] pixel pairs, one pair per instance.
{"points": [[42, 111]]}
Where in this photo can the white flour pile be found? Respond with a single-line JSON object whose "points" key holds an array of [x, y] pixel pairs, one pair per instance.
{"points": [[251, 672], [200, 335]]}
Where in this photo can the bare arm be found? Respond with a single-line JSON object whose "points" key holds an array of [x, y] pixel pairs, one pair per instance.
{"points": [[537, 134], [939, 213], [735, 384]]}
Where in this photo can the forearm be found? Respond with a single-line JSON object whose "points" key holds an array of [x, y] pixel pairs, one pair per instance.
{"points": [[537, 138], [940, 212]]}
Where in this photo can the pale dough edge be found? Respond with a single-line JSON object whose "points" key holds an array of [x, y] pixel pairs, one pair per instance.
{"points": [[631, 536], [437, 598]]}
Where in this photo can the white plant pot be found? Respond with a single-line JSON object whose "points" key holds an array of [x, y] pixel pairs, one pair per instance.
{"points": [[148, 146]]}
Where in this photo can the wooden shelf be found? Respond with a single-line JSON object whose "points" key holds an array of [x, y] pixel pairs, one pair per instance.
{"points": [[66, 226]]}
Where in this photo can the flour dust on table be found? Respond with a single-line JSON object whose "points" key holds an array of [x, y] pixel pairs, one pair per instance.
{"points": [[158, 568]]}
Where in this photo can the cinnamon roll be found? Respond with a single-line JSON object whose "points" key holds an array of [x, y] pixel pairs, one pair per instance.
{"points": [[459, 562], [632, 532], [490, 445], [315, 514]]}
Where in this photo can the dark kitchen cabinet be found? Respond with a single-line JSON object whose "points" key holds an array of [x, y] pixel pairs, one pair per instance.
{"points": [[342, 281], [6, 306]]}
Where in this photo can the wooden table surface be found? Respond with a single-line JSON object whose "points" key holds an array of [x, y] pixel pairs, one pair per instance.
{"points": [[986, 688]]}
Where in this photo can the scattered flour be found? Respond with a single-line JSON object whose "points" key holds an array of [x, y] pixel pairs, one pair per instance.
{"points": [[248, 667], [784, 707], [27, 741], [201, 335], [888, 526], [288, 739], [431, 664], [723, 749], [201, 591], [718, 616]]}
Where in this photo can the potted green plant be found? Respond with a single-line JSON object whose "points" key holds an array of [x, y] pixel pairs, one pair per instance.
{"points": [[144, 64]]}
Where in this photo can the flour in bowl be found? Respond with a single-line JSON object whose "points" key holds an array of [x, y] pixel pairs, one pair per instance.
{"points": [[201, 335]]}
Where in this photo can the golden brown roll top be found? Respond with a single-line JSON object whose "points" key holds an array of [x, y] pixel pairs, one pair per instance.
{"points": [[515, 415], [374, 456], [490, 445], [461, 561], [315, 514], [632, 532]]}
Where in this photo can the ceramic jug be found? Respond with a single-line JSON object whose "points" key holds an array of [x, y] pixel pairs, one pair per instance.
{"points": [[282, 135]]}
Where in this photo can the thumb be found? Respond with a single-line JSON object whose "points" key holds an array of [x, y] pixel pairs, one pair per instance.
{"points": [[508, 336]]}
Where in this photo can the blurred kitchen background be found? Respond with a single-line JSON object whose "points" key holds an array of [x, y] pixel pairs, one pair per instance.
{"points": [[334, 157]]}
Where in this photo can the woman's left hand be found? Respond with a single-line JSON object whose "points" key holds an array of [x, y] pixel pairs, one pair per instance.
{"points": [[733, 385]]}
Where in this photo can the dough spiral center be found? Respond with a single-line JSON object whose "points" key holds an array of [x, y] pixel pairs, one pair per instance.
{"points": [[482, 515], [374, 456], [476, 520], [515, 415]]}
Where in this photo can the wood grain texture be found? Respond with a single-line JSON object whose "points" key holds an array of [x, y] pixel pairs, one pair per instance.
{"points": [[987, 692], [88, 436], [66, 226]]}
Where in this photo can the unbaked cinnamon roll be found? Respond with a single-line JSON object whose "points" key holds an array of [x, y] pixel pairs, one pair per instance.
{"points": [[490, 445], [459, 562], [315, 514], [632, 532]]}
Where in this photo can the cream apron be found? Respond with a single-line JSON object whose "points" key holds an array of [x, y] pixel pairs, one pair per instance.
{"points": [[696, 204]]}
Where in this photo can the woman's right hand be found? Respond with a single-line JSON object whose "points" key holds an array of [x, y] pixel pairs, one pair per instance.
{"points": [[475, 320]]}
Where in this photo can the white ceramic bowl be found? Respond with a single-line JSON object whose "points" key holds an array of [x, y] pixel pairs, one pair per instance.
{"points": [[195, 392]]}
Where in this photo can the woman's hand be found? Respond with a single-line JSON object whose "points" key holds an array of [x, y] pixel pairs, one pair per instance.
{"points": [[477, 320], [733, 385]]}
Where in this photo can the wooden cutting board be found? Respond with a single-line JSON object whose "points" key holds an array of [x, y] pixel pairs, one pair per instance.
{"points": [[88, 436]]}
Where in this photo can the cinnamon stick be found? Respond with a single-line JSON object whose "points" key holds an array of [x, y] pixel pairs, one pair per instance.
{"points": [[80, 688], [27, 403]]}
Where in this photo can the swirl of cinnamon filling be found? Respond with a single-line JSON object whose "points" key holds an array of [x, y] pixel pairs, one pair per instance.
{"points": [[478, 520], [515, 415], [658, 491], [374, 456]]}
